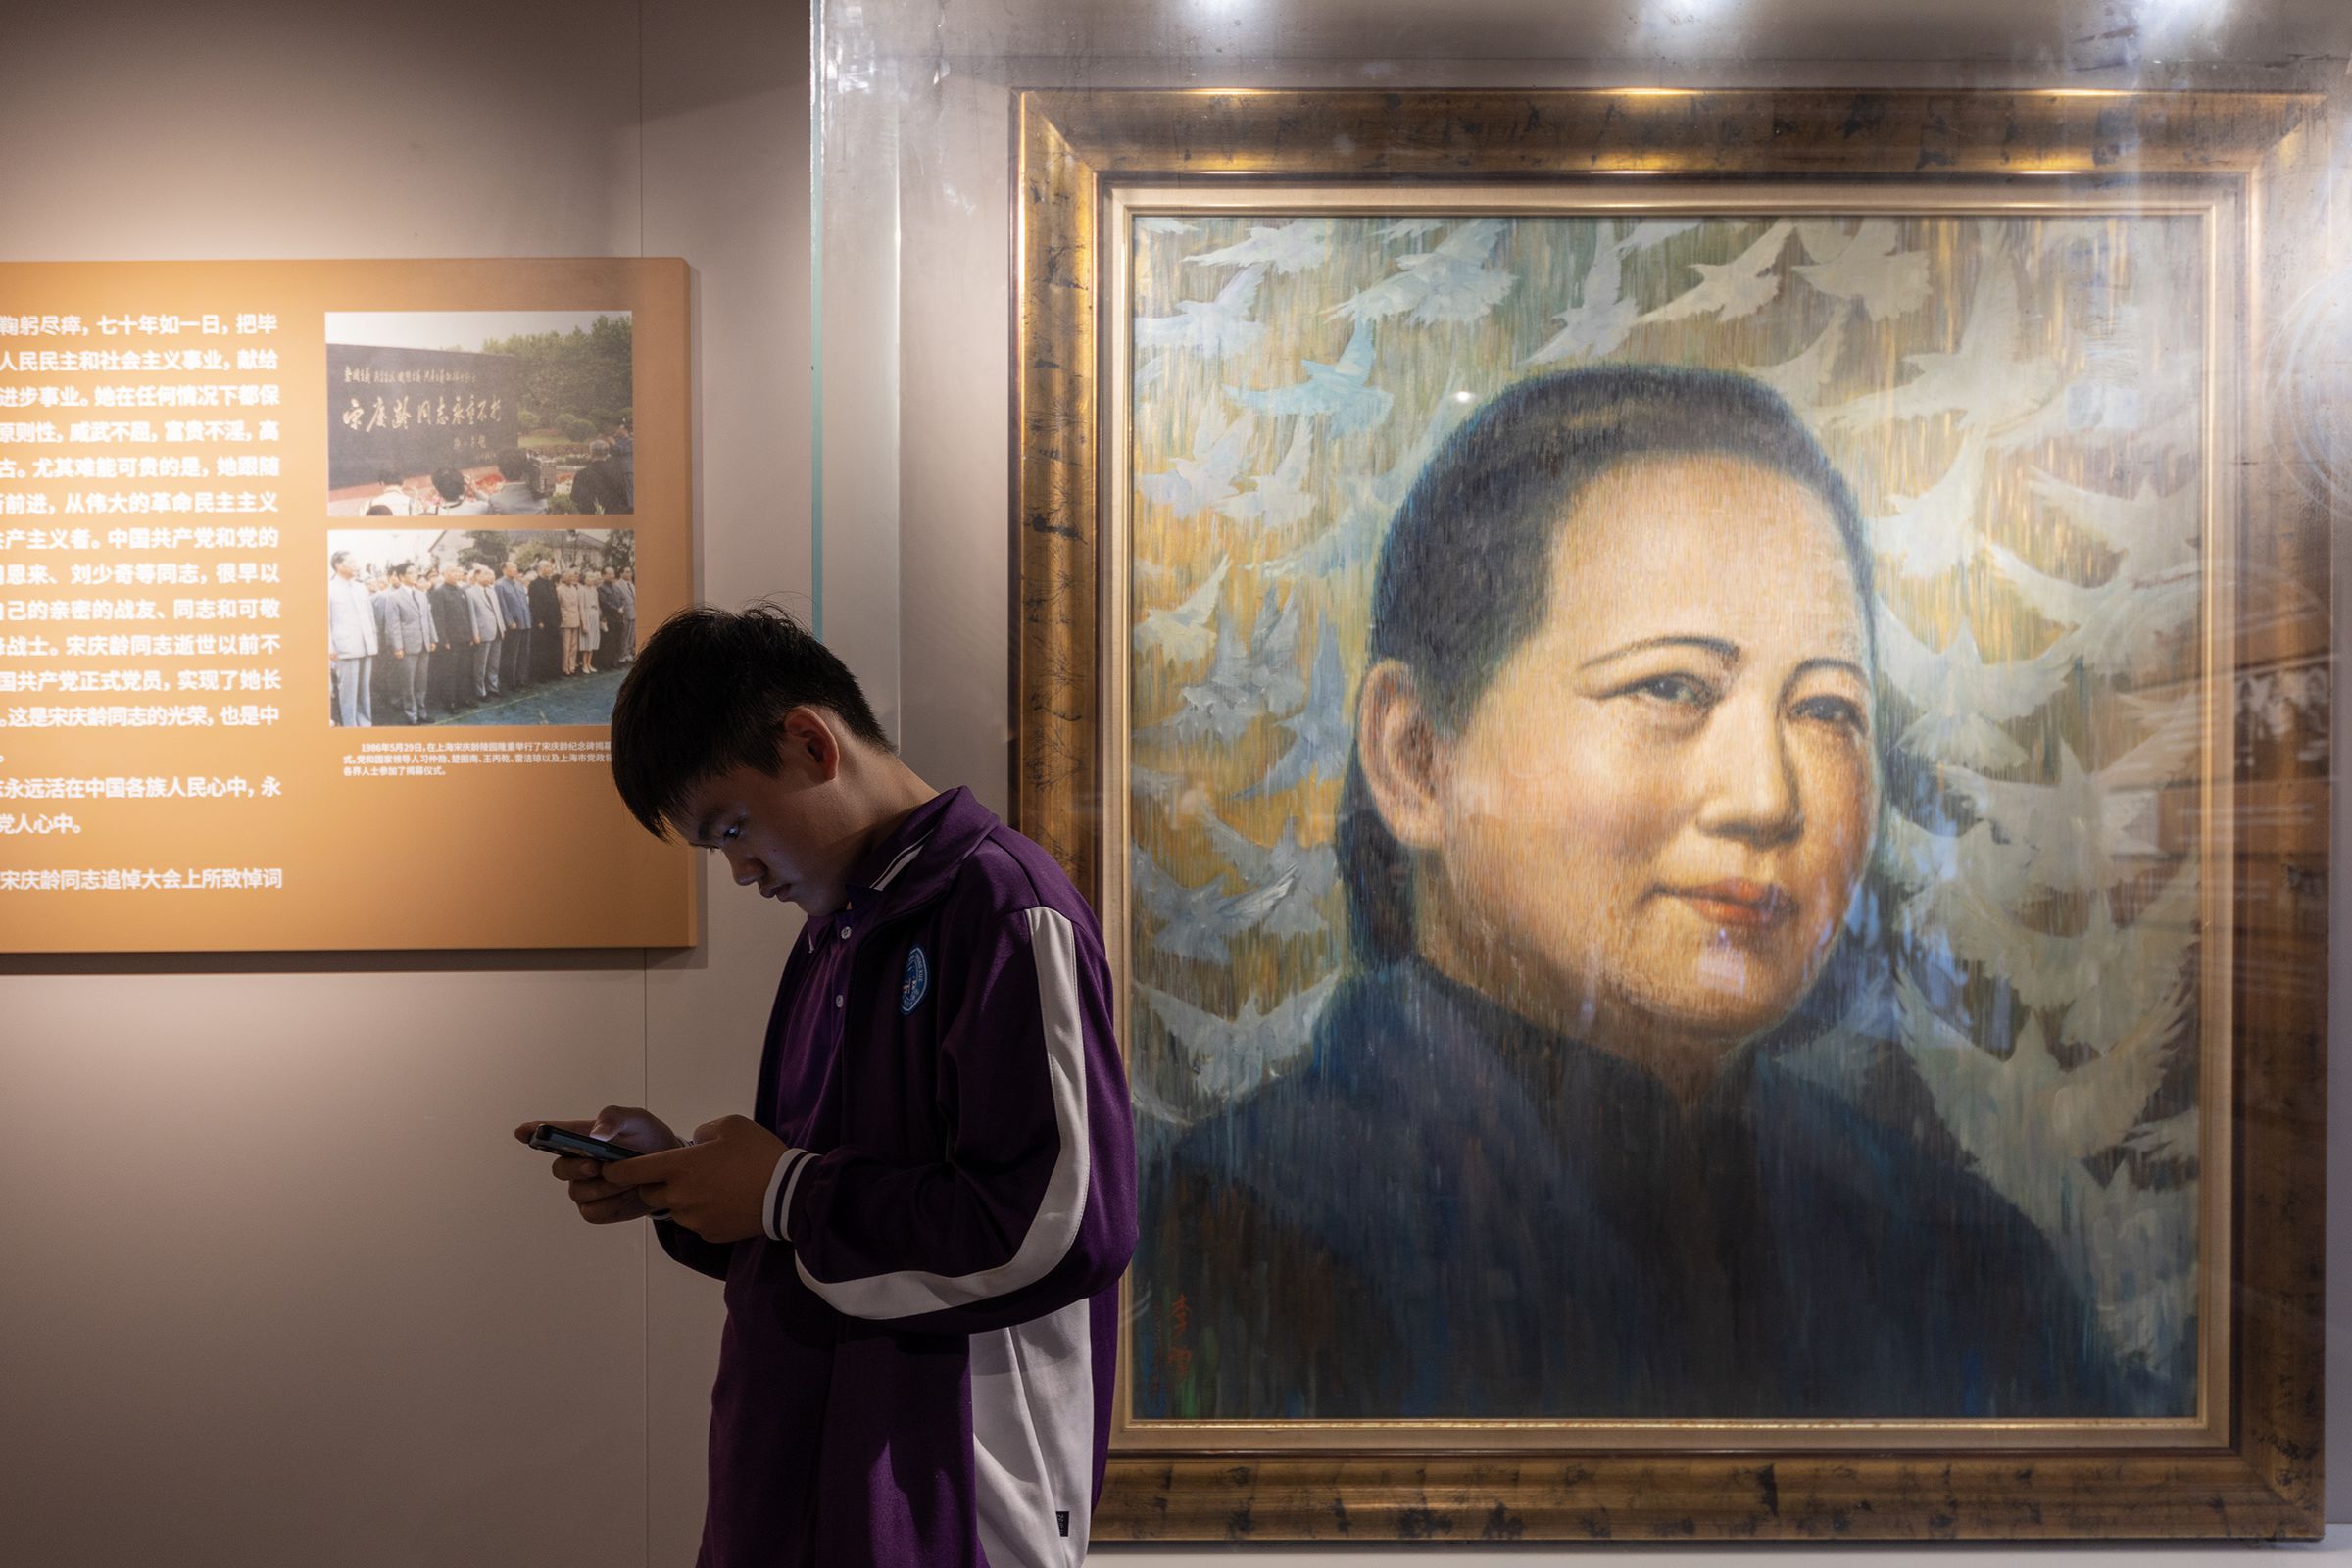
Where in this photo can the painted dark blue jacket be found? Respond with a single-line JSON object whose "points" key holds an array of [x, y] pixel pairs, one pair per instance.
{"points": [[1451, 1211]]}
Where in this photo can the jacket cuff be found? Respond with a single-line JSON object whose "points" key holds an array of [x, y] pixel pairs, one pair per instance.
{"points": [[778, 1203]]}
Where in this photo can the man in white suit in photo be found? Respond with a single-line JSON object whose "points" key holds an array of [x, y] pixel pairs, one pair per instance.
{"points": [[351, 642]]}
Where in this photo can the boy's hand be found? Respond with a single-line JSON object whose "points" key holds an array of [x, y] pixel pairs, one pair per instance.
{"points": [[600, 1202], [714, 1186]]}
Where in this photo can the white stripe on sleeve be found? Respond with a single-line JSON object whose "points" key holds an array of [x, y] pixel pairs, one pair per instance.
{"points": [[784, 1204], [1054, 945], [779, 1191]]}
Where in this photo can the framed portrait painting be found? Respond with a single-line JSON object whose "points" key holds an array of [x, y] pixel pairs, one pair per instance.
{"points": [[1698, 720]]}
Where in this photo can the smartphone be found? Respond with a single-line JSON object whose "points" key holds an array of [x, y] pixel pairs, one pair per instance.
{"points": [[550, 1139]]}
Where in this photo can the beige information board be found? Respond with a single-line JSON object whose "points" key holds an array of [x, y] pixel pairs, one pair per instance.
{"points": [[317, 583]]}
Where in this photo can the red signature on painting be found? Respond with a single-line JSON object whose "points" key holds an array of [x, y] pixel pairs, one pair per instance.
{"points": [[1180, 1356]]}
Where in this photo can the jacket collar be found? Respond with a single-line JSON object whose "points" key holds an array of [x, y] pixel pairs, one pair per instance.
{"points": [[917, 860]]}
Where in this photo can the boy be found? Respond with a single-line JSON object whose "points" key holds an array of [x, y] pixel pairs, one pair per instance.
{"points": [[923, 1224]]}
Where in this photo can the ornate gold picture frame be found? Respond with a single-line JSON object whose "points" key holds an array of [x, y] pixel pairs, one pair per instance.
{"points": [[1187, 517]]}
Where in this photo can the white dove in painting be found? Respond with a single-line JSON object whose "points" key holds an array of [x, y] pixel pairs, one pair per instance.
{"points": [[1220, 450], [2027, 1107], [2117, 624], [1730, 290], [1368, 501], [1936, 530], [1801, 378], [1308, 872], [2034, 1128], [2152, 594], [2073, 830], [1246, 679], [2111, 1008], [1337, 391], [1344, 545], [1320, 731], [1911, 856], [1965, 921], [1989, 380], [1200, 923], [2153, 532], [1211, 328], [1600, 320], [1865, 266], [1936, 866], [1451, 283], [2169, 754], [1285, 247], [1962, 700], [1229, 1058], [1181, 633], [1279, 499], [1964, 888], [2109, 977]]}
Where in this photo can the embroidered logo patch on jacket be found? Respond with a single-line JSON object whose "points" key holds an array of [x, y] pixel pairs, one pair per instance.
{"points": [[915, 982]]}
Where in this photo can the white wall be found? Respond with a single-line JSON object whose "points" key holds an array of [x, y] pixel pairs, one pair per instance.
{"points": [[276, 1287]]}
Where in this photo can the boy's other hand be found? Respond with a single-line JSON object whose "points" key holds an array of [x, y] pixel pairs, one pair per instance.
{"points": [[714, 1186], [600, 1202]]}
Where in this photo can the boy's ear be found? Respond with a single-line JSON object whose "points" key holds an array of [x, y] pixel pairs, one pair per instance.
{"points": [[809, 744]]}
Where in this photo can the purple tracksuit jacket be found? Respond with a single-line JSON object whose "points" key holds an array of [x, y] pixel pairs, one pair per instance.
{"points": [[920, 1372]]}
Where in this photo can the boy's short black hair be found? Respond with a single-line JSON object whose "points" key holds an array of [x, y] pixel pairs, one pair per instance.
{"points": [[709, 692], [449, 482]]}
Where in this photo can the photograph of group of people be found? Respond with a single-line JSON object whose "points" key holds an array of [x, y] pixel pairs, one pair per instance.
{"points": [[483, 627]]}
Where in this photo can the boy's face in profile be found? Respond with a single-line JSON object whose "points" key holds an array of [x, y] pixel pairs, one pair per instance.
{"points": [[785, 831]]}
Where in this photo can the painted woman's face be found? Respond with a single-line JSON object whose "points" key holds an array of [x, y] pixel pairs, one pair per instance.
{"points": [[1654, 818]]}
